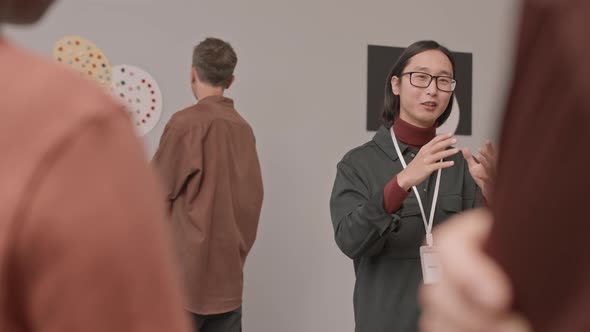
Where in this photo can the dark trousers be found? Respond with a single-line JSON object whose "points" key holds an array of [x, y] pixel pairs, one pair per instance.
{"points": [[226, 322]]}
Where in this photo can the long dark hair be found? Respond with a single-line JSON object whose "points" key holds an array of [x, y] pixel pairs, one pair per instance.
{"points": [[392, 102]]}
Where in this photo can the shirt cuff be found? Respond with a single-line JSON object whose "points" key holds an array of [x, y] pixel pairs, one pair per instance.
{"points": [[394, 196]]}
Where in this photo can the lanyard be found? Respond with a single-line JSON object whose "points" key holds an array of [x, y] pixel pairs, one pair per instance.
{"points": [[427, 224]]}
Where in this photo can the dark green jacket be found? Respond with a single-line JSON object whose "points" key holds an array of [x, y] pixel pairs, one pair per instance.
{"points": [[383, 246]]}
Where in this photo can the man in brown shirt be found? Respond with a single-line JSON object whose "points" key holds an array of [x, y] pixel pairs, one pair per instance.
{"points": [[209, 165], [83, 237], [539, 234]]}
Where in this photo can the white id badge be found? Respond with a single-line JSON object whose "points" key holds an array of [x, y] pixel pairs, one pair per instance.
{"points": [[430, 264]]}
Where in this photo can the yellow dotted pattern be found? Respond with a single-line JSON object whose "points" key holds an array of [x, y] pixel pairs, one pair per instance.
{"points": [[85, 57]]}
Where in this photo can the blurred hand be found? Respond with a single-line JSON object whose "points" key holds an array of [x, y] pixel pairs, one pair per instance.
{"points": [[473, 294]]}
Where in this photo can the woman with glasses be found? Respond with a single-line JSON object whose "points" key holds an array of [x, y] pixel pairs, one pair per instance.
{"points": [[391, 191]]}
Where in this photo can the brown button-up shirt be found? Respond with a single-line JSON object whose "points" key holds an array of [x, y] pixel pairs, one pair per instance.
{"points": [[541, 204], [83, 237], [209, 166]]}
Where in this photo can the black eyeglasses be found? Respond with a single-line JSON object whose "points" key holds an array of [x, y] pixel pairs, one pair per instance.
{"points": [[423, 80]]}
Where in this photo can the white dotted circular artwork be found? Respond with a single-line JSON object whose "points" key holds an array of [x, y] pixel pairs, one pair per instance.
{"points": [[140, 94], [85, 57]]}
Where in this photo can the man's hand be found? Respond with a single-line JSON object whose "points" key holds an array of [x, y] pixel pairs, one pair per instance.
{"points": [[483, 170], [428, 160]]}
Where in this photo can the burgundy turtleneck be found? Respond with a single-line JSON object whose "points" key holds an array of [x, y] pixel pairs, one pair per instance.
{"points": [[414, 137]]}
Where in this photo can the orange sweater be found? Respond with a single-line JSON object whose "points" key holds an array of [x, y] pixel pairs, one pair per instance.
{"points": [[83, 239]]}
